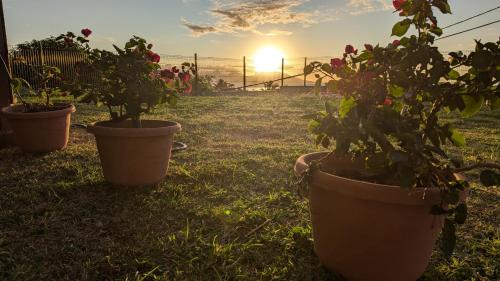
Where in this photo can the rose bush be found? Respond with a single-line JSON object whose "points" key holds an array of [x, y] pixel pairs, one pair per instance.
{"points": [[392, 99], [129, 81]]}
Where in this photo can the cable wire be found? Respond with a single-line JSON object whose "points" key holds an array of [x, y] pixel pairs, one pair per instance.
{"points": [[467, 19], [467, 30]]}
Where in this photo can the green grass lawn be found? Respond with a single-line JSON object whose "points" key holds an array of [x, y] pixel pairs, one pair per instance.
{"points": [[228, 210]]}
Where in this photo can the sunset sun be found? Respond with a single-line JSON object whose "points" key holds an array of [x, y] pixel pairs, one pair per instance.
{"points": [[268, 59]]}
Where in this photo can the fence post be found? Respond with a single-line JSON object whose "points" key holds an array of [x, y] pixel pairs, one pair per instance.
{"points": [[244, 73], [282, 71], [196, 72], [305, 75]]}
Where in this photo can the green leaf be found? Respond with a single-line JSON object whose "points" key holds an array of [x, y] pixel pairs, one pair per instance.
{"points": [[345, 106], [442, 5], [400, 28], [330, 107], [490, 178], [326, 67], [449, 238], [436, 30], [457, 138], [472, 105], [453, 75], [396, 91]]}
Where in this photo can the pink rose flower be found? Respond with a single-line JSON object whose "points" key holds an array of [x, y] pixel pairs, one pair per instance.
{"points": [[336, 63], [185, 77], [86, 32], [154, 57]]}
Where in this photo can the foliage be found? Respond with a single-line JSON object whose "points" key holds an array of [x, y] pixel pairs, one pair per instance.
{"points": [[47, 43], [204, 85], [392, 99], [129, 81], [21, 87], [223, 85]]}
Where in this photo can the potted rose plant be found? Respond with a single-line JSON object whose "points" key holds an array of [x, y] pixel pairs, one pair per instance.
{"points": [[129, 82], [43, 126], [381, 197]]}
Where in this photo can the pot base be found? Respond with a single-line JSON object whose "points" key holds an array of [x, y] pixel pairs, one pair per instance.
{"points": [[134, 156]]}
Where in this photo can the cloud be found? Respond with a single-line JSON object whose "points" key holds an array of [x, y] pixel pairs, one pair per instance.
{"points": [[246, 15], [232, 16], [358, 7]]}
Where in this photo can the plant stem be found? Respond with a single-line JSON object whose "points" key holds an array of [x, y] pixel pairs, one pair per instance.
{"points": [[477, 166], [137, 122]]}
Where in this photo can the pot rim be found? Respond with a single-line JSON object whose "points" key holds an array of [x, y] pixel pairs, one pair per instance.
{"points": [[367, 190], [10, 113], [168, 128]]}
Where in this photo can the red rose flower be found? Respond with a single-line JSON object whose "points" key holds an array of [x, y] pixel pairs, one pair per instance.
{"points": [[166, 74], [86, 32], [189, 89], [185, 77], [396, 43], [154, 57], [369, 47], [336, 63], [398, 4], [349, 49], [387, 102]]}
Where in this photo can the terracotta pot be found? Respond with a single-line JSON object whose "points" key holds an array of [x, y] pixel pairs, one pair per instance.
{"points": [[134, 156], [39, 131], [368, 231]]}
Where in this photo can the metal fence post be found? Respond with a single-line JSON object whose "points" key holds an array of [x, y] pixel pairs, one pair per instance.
{"points": [[305, 74], [282, 71], [244, 73]]}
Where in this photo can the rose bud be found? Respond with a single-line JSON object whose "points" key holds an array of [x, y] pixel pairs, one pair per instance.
{"points": [[349, 49], [369, 47], [387, 102], [398, 4], [150, 46], [396, 43]]}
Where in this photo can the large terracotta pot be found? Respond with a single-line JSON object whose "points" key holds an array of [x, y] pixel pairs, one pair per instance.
{"points": [[39, 131], [134, 156], [367, 231]]}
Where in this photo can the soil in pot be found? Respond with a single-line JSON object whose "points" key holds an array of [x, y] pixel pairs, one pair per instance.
{"points": [[134, 156], [367, 231], [38, 130]]}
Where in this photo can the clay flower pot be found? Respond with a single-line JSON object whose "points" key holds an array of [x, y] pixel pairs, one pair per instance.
{"points": [[368, 231], [134, 156], [39, 131]]}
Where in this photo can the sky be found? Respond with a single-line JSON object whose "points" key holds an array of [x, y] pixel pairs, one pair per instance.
{"points": [[233, 28]]}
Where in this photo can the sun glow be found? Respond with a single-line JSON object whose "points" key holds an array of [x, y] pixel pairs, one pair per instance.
{"points": [[267, 59]]}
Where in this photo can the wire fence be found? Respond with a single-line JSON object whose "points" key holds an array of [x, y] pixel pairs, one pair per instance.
{"points": [[238, 73]]}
